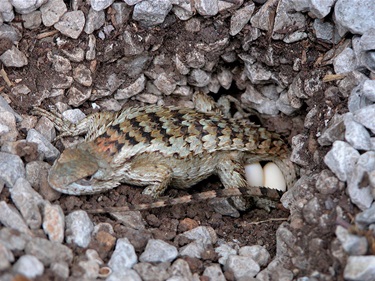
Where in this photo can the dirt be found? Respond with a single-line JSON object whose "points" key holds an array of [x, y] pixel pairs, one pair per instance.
{"points": [[254, 227]]}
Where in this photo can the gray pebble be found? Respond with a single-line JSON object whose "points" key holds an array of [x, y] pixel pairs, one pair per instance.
{"points": [[366, 117], [240, 18], [49, 252], [44, 146], [341, 159], [29, 266], [241, 266], [78, 228], [13, 58], [355, 134], [99, 5], [6, 257], [158, 251], [132, 89], [214, 272], [52, 11], [27, 201], [354, 245], [13, 240], [95, 20], [124, 256], [207, 7], [150, 13], [71, 24], [366, 264], [354, 15], [258, 253], [11, 168]]}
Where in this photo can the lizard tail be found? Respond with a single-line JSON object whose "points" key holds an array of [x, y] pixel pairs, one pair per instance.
{"points": [[261, 192]]}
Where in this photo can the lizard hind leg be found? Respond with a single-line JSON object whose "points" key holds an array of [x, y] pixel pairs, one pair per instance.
{"points": [[232, 175]]}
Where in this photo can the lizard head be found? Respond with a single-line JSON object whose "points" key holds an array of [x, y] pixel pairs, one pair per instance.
{"points": [[78, 172]]}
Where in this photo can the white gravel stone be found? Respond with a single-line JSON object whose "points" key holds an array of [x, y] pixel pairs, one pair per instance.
{"points": [[355, 134], [207, 7], [27, 6], [44, 146], [241, 266], [124, 256], [341, 159], [52, 11], [99, 5], [8, 131], [165, 84], [151, 12], [354, 15], [368, 89], [158, 251], [6, 257], [180, 270], [131, 90], [199, 78], [60, 269], [345, 61], [32, 20], [27, 201], [193, 249], [11, 168], [214, 272], [29, 266], [79, 228], [366, 117], [354, 245], [6, 10], [11, 218], [360, 268], [124, 274], [73, 115], [59, 63], [258, 253], [11, 241], [240, 18], [224, 251], [94, 21], [78, 96], [48, 252], [204, 233], [71, 24], [13, 58]]}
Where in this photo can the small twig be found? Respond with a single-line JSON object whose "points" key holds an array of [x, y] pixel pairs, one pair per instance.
{"points": [[5, 77], [333, 77], [46, 34], [268, 220]]}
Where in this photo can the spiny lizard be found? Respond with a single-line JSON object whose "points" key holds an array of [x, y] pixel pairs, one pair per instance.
{"points": [[157, 147]]}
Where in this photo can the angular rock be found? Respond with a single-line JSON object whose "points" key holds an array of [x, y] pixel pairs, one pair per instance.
{"points": [[158, 251], [99, 5], [366, 117], [124, 256], [27, 201], [353, 244], [44, 146], [49, 252], [151, 12], [71, 24], [366, 264], [11, 218], [11, 168], [52, 11], [29, 266], [354, 15], [341, 159], [13, 58], [241, 266], [240, 18], [79, 228], [207, 7], [133, 89]]}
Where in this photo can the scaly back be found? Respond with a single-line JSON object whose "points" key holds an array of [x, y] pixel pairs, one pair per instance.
{"points": [[182, 132]]}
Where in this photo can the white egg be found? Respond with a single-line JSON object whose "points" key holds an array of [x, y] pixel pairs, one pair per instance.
{"points": [[254, 174], [273, 177]]}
